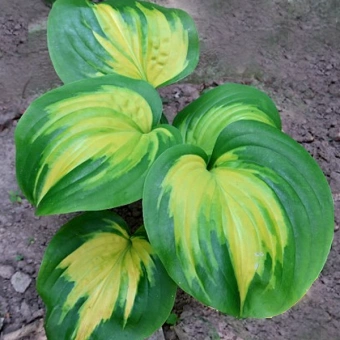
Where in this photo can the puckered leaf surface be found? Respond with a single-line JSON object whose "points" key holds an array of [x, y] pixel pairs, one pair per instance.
{"points": [[246, 231], [89, 144], [98, 282], [136, 39], [202, 121]]}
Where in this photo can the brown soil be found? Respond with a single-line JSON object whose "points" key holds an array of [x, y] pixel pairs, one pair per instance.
{"points": [[302, 76]]}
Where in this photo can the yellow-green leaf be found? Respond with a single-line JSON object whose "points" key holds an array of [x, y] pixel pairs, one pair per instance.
{"points": [[136, 39], [246, 231], [201, 122], [89, 144], [100, 282]]}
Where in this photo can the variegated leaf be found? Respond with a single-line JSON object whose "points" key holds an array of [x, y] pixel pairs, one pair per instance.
{"points": [[246, 231], [202, 121], [89, 144], [136, 39], [98, 282]]}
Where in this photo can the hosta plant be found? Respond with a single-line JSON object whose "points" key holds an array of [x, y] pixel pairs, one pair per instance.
{"points": [[236, 213]]}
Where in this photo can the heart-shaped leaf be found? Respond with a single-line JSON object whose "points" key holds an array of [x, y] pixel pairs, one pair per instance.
{"points": [[98, 282], [136, 39], [246, 231], [89, 144]]}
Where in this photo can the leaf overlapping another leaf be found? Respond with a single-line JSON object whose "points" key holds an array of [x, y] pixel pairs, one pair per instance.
{"points": [[91, 144], [240, 215], [246, 231], [202, 121]]}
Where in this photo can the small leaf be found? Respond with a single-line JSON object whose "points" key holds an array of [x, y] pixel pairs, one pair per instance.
{"points": [[172, 319], [88, 145], [19, 257], [246, 231], [201, 122], [30, 241], [14, 196], [136, 39], [98, 282]]}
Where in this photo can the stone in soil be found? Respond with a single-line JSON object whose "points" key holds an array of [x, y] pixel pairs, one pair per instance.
{"points": [[20, 282], [25, 310], [158, 335], [6, 271]]}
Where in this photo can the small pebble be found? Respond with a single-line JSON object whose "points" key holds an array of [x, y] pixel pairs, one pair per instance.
{"points": [[334, 134], [20, 282], [25, 310], [158, 335], [29, 269], [6, 271]]}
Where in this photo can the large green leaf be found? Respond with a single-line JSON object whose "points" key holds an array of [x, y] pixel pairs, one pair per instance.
{"points": [[89, 144], [202, 121], [246, 231], [98, 282], [136, 39]]}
